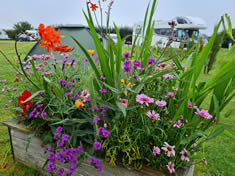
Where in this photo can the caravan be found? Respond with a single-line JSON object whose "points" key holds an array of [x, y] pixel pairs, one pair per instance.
{"points": [[185, 30]]}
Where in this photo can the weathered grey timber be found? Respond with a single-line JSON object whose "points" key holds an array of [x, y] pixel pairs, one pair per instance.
{"points": [[35, 156]]}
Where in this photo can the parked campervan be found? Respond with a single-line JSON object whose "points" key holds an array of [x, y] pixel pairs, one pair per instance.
{"points": [[185, 30]]}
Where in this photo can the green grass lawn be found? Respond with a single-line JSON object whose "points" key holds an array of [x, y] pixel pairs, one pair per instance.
{"points": [[220, 152]]}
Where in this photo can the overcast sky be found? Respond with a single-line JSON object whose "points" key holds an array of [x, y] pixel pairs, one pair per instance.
{"points": [[124, 12]]}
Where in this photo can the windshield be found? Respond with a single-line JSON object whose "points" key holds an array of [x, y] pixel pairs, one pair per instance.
{"points": [[188, 33]]}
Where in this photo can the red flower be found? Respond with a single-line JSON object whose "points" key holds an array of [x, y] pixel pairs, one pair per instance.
{"points": [[25, 95], [93, 6], [64, 48]]}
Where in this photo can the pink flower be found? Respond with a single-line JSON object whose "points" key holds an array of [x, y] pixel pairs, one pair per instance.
{"points": [[6, 106], [190, 104], [170, 94], [153, 115], [161, 103], [204, 161], [203, 113], [168, 149], [168, 76], [105, 125], [174, 88], [156, 150], [170, 167], [184, 155], [144, 99], [14, 89], [178, 124], [124, 102]]}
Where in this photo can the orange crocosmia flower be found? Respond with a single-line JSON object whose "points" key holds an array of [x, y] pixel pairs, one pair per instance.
{"points": [[49, 37], [93, 6], [64, 48]]}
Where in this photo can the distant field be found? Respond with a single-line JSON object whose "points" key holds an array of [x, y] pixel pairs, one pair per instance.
{"points": [[220, 152]]}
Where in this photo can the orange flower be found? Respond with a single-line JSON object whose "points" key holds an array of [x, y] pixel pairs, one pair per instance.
{"points": [[93, 6], [49, 39], [64, 48]]}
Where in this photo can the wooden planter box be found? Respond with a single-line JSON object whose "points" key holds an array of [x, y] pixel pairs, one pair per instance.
{"points": [[35, 156]]}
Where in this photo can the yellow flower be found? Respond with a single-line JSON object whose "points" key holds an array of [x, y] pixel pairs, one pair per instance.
{"points": [[132, 60], [91, 51], [125, 93], [129, 84], [123, 81], [79, 104]]}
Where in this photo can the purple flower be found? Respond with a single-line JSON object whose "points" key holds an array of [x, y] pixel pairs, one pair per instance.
{"points": [[102, 90], [78, 91], [80, 149], [73, 80], [65, 137], [96, 119], [76, 96], [31, 114], [44, 113], [59, 129], [100, 130], [97, 146], [56, 136], [37, 114], [88, 99], [128, 42], [60, 171], [126, 55], [95, 108], [104, 108], [127, 63], [39, 106], [85, 59], [106, 133], [50, 87], [151, 61], [103, 114], [137, 64], [127, 69], [100, 168], [67, 94], [73, 59], [103, 78], [51, 167], [60, 143], [51, 156], [69, 86], [40, 93]]}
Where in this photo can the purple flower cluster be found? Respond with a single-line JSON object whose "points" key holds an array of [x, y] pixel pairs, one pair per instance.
{"points": [[127, 66], [96, 163], [96, 119], [102, 90], [38, 111], [137, 64], [151, 61], [104, 110], [104, 132], [65, 155]]}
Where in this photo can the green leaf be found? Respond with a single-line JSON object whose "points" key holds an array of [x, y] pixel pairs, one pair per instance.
{"points": [[227, 133], [121, 107]]}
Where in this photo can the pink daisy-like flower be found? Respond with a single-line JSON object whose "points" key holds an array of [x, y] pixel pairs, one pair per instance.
{"points": [[170, 167], [85, 93], [168, 149], [161, 103], [203, 113], [168, 76], [156, 150], [190, 105], [184, 155], [144, 99], [170, 94], [153, 115], [178, 124]]}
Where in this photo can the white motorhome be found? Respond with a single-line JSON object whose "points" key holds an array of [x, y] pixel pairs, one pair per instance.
{"points": [[185, 29], [3, 34]]}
